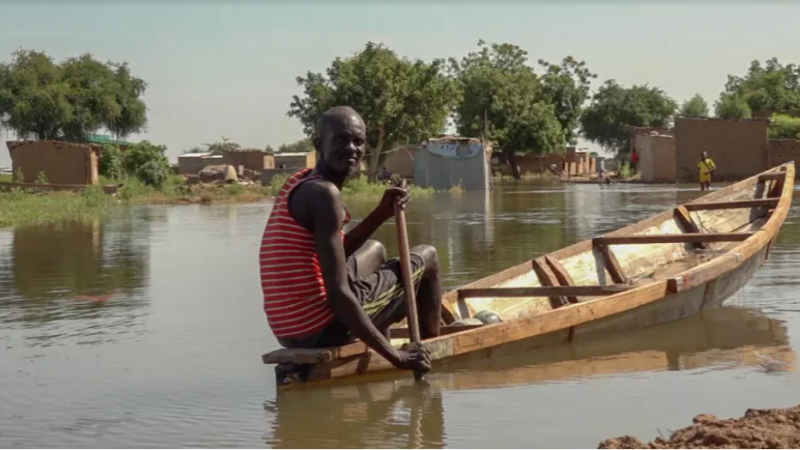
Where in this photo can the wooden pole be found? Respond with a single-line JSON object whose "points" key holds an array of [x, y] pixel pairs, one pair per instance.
{"points": [[408, 277]]}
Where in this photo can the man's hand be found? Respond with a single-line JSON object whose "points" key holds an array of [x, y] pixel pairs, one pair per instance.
{"points": [[414, 357], [393, 194]]}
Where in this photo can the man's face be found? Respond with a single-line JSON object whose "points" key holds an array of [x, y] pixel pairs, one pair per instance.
{"points": [[343, 145]]}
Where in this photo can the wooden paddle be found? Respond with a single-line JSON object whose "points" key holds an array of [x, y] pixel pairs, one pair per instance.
{"points": [[408, 276]]}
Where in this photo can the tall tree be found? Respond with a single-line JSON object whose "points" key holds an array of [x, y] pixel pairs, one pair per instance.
{"points": [[694, 107], [614, 109], [45, 100], [732, 106], [400, 100], [501, 99], [771, 87], [566, 87]]}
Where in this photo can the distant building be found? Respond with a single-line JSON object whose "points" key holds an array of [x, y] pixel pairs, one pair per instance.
{"points": [[60, 162], [295, 160], [450, 161], [193, 163]]}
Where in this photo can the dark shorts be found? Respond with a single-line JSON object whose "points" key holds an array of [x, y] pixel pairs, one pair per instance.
{"points": [[380, 294]]}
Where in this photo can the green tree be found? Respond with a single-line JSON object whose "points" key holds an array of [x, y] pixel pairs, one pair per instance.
{"points": [[45, 100], [501, 100], [400, 100], [566, 87], [695, 107], [302, 146], [732, 106], [614, 109], [269, 149], [769, 87]]}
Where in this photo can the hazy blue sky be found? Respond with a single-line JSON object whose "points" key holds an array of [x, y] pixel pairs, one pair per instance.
{"points": [[228, 69]]}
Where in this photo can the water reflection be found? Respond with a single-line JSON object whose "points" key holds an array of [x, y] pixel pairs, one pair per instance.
{"points": [[80, 280], [397, 413], [385, 414]]}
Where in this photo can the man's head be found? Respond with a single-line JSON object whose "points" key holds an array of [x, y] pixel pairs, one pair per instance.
{"points": [[340, 141], [704, 155]]}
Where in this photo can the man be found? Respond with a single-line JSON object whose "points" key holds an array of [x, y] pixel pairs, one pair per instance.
{"points": [[705, 168], [323, 287]]}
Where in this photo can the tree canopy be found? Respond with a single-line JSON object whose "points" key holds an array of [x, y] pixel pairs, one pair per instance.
{"points": [[770, 87], [614, 109], [400, 100], [42, 99], [503, 100], [302, 146], [218, 147], [695, 107], [566, 87]]}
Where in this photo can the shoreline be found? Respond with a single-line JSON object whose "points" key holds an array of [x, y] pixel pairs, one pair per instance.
{"points": [[757, 428], [26, 207]]}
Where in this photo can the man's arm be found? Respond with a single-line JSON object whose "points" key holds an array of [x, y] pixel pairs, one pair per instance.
{"points": [[355, 238], [326, 216]]}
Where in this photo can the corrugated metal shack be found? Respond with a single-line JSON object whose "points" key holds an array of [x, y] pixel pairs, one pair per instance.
{"points": [[446, 162]]}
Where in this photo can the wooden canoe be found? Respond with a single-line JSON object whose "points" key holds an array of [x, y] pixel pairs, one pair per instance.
{"points": [[663, 268]]}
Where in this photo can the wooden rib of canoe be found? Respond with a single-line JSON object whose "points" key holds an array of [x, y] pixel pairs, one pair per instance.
{"points": [[663, 268]]}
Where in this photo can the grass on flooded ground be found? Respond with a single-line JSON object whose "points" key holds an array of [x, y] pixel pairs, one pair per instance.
{"points": [[20, 208]]}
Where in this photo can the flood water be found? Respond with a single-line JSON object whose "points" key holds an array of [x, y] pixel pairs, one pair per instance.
{"points": [[147, 331]]}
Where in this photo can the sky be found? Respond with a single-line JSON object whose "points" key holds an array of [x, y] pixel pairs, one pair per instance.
{"points": [[228, 68]]}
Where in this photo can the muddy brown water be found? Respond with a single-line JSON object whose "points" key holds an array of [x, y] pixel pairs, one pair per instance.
{"points": [[147, 331]]}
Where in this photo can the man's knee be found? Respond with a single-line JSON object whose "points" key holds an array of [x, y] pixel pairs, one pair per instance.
{"points": [[375, 250], [429, 256], [369, 257]]}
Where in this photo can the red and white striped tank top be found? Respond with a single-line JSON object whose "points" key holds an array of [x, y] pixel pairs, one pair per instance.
{"points": [[295, 300]]}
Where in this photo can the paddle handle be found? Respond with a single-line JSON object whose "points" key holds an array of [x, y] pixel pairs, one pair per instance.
{"points": [[408, 277]]}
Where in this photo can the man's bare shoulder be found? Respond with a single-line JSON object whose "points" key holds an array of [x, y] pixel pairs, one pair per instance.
{"points": [[318, 190]]}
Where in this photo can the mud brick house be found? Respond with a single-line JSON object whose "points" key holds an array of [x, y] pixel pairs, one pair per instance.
{"points": [[61, 162]]}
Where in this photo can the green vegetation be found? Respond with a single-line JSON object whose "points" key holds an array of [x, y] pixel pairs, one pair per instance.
{"points": [[615, 109], [19, 207], [357, 187], [783, 126], [42, 99], [22, 208], [771, 87], [503, 100], [695, 107], [400, 100], [305, 145]]}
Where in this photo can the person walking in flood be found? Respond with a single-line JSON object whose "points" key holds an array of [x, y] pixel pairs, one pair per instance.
{"points": [[705, 168], [323, 287]]}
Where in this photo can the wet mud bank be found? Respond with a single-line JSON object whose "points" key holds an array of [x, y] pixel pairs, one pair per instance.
{"points": [[758, 428]]}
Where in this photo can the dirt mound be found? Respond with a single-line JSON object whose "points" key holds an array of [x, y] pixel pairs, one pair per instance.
{"points": [[759, 428]]}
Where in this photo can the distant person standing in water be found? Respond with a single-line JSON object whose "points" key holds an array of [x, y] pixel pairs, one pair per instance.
{"points": [[705, 168]]}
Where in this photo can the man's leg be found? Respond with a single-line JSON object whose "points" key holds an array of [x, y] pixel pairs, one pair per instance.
{"points": [[368, 258], [383, 298]]}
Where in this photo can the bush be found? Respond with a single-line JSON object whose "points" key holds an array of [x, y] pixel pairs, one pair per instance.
{"points": [[111, 164], [783, 126], [153, 173], [148, 163]]}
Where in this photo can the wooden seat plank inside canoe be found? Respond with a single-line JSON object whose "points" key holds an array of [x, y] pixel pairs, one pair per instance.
{"points": [[708, 206], [683, 238]]}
